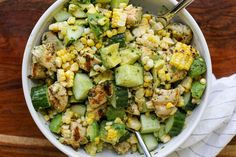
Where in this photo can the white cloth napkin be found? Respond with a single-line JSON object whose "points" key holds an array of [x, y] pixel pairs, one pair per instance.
{"points": [[218, 123]]}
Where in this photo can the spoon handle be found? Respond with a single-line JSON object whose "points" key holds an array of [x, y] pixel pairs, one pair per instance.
{"points": [[142, 144], [165, 19]]}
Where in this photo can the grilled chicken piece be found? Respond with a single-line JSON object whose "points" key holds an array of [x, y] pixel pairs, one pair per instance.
{"points": [[87, 61], [58, 96], [180, 32], [122, 148], [175, 74], [38, 72], [134, 15], [162, 98], [45, 56], [49, 37]]}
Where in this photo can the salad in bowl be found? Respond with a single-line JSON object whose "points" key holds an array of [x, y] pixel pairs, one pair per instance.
{"points": [[106, 68]]}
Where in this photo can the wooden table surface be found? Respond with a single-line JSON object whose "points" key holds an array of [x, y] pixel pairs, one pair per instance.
{"points": [[19, 136]]}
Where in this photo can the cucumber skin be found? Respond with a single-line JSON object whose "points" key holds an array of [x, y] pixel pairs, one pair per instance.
{"points": [[119, 38], [188, 105], [119, 98], [55, 124], [79, 110], [175, 124], [93, 131], [39, 97], [112, 113]]}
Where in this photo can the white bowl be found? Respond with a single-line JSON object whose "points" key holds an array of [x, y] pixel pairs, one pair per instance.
{"points": [[151, 6]]}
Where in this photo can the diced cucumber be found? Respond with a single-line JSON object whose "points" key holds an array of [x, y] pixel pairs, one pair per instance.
{"points": [[188, 105], [197, 89], [72, 100], [161, 132], [39, 97], [175, 123], [78, 110], [119, 38], [125, 136], [150, 141], [72, 34], [81, 22], [110, 56], [103, 1], [62, 15], [149, 123], [119, 97], [197, 68], [112, 113], [93, 131], [50, 37], [82, 85], [55, 125], [129, 56], [76, 11], [129, 75], [116, 3]]}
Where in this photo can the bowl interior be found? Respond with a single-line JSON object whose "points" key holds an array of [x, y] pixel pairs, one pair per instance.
{"points": [[150, 6]]}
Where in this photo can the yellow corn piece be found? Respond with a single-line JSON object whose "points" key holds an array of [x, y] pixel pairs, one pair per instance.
{"points": [[181, 61], [118, 18]]}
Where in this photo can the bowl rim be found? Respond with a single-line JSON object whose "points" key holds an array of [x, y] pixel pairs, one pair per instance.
{"points": [[34, 114]]}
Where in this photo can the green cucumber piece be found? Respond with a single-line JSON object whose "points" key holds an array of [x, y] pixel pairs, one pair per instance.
{"points": [[125, 136], [55, 125], [175, 124], [188, 105], [82, 85], [119, 38], [73, 33], [72, 100], [39, 97], [110, 56], [79, 110], [129, 56], [197, 89], [150, 141], [93, 131], [119, 97], [129, 75], [103, 1], [81, 22], [197, 68], [112, 113], [62, 16], [149, 124], [116, 3]]}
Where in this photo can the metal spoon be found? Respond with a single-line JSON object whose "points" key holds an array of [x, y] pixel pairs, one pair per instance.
{"points": [[165, 19], [142, 144]]}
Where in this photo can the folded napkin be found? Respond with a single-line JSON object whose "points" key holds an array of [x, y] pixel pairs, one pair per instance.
{"points": [[218, 123]]}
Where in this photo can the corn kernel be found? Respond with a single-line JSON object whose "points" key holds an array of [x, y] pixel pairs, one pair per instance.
{"points": [[97, 140], [108, 14], [58, 62], [114, 32], [121, 29], [118, 121], [61, 52], [66, 65], [169, 105], [61, 75], [71, 20], [98, 45], [148, 92], [109, 33], [83, 40], [167, 86], [54, 27], [90, 42], [74, 67], [203, 81]]}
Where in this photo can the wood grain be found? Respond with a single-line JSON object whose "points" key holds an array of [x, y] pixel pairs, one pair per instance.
{"points": [[19, 135]]}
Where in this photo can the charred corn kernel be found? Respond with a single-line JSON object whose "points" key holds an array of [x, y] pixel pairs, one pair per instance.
{"points": [[181, 61], [66, 118], [114, 32], [98, 45], [147, 16], [203, 81], [118, 121], [74, 67], [83, 40], [148, 78], [118, 18], [61, 75], [71, 20], [103, 21], [90, 42], [112, 135], [58, 62], [97, 140], [46, 117], [65, 65], [96, 67], [149, 64], [73, 7], [69, 92], [109, 34], [165, 138], [181, 102], [148, 92], [144, 59], [150, 105], [146, 84]]}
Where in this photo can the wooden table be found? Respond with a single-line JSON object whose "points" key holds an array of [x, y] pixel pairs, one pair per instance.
{"points": [[19, 136]]}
